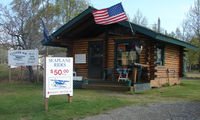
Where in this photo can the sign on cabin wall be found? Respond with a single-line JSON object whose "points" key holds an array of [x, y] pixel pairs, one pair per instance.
{"points": [[142, 87], [22, 57], [80, 58], [58, 76]]}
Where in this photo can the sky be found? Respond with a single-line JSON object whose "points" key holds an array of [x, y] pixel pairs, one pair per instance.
{"points": [[171, 12]]}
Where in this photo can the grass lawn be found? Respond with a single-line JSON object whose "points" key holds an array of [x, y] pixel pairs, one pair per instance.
{"points": [[193, 75], [25, 101], [188, 90], [4, 73]]}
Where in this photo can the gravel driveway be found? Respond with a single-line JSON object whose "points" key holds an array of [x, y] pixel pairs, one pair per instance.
{"points": [[157, 111]]}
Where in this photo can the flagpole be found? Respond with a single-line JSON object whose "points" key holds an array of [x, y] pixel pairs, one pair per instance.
{"points": [[133, 33], [46, 47]]}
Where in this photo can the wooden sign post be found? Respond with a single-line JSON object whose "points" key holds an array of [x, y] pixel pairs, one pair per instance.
{"points": [[69, 98], [58, 78], [38, 74], [9, 74], [45, 104]]}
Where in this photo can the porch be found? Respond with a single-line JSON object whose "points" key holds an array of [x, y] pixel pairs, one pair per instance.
{"points": [[107, 85], [134, 80]]}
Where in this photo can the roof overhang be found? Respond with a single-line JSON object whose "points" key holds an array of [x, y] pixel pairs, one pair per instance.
{"points": [[84, 24]]}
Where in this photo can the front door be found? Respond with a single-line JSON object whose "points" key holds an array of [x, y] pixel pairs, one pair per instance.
{"points": [[95, 60]]}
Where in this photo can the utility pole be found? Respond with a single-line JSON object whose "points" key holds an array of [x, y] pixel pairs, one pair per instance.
{"points": [[158, 25]]}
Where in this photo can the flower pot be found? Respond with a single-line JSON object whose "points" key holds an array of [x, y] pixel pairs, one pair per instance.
{"points": [[85, 82], [128, 83]]}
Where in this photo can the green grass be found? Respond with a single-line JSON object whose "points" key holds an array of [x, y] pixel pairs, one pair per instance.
{"points": [[193, 75], [188, 90], [25, 100], [4, 72]]}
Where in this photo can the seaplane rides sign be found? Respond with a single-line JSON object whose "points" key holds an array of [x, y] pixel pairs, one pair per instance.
{"points": [[58, 76]]}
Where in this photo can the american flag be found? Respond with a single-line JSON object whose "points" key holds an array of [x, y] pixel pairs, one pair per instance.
{"points": [[110, 15]]}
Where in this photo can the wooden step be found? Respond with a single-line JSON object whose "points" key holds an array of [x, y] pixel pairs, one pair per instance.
{"points": [[115, 87], [105, 81]]}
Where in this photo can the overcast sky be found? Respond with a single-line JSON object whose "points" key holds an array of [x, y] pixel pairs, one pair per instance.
{"points": [[171, 12]]}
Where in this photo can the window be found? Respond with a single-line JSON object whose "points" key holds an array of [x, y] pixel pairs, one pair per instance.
{"points": [[160, 55], [125, 53]]}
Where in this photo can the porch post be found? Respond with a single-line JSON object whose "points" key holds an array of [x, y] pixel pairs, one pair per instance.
{"points": [[105, 42], [69, 51], [152, 60]]}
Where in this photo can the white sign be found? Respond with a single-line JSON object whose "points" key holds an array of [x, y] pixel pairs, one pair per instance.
{"points": [[80, 58], [58, 76], [22, 57]]}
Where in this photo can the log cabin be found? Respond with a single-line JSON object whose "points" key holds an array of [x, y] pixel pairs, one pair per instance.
{"points": [[113, 54]]}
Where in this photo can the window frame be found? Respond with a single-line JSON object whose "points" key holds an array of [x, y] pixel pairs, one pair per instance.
{"points": [[162, 47], [129, 41]]}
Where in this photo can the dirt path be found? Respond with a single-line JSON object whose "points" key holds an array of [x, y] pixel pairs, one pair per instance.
{"points": [[156, 111]]}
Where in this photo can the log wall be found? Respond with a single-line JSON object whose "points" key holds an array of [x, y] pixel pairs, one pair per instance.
{"points": [[81, 47], [171, 69], [173, 56]]}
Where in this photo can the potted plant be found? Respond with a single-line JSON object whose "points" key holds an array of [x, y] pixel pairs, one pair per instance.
{"points": [[166, 84], [85, 81], [128, 82]]}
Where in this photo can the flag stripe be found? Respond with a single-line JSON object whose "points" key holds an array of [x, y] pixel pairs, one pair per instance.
{"points": [[100, 11], [110, 18], [103, 16], [121, 17], [111, 21]]}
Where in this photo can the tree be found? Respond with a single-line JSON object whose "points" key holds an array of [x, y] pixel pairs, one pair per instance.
{"points": [[178, 34], [192, 28], [139, 19], [172, 34], [20, 24], [194, 19], [192, 55], [68, 9], [186, 34]]}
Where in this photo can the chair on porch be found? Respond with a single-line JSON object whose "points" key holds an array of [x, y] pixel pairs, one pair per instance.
{"points": [[107, 72], [77, 78], [121, 72]]}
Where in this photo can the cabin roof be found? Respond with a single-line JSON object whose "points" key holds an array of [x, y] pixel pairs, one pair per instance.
{"points": [[83, 25]]}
